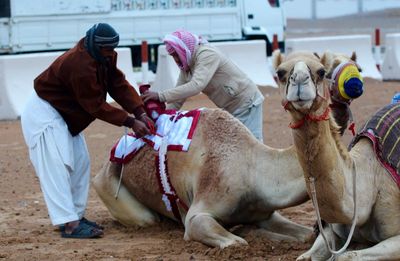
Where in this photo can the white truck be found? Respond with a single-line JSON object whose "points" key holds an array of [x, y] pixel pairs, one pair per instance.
{"points": [[49, 25]]}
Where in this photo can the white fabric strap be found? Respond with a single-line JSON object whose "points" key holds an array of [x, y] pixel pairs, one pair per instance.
{"points": [[162, 152], [337, 69], [122, 168]]}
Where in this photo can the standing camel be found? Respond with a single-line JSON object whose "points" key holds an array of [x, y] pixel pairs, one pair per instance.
{"points": [[335, 171]]}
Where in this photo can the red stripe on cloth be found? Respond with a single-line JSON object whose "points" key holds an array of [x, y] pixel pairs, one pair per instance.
{"points": [[172, 197], [160, 186], [387, 122], [126, 158], [196, 117], [175, 147]]}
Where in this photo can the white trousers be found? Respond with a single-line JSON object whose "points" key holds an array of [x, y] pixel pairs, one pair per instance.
{"points": [[61, 161], [253, 119]]}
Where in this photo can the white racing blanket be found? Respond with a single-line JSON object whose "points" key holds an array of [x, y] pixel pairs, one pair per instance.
{"points": [[176, 128]]}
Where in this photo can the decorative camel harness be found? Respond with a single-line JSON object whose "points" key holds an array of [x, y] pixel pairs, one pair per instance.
{"points": [[296, 125], [338, 94], [175, 130]]}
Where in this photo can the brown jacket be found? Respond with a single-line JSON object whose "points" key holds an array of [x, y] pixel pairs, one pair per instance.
{"points": [[76, 85]]}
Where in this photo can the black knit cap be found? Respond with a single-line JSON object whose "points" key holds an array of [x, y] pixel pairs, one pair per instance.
{"points": [[100, 35]]}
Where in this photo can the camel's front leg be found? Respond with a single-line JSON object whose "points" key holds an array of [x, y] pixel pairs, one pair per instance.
{"points": [[204, 228], [319, 251], [278, 224], [388, 249]]}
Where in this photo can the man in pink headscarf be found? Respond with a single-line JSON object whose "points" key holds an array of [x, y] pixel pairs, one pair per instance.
{"points": [[205, 69]]}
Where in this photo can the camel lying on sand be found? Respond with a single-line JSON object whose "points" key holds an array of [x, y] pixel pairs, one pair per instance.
{"points": [[226, 178], [327, 164]]}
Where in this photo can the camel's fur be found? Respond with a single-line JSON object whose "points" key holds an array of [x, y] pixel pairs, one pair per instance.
{"points": [[322, 156], [226, 178]]}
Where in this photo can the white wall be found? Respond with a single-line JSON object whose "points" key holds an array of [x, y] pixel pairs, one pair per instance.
{"points": [[331, 8]]}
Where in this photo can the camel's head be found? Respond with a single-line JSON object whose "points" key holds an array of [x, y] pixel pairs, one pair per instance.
{"points": [[343, 72], [300, 79]]}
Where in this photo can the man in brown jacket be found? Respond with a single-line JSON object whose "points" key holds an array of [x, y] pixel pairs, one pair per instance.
{"points": [[68, 96]]}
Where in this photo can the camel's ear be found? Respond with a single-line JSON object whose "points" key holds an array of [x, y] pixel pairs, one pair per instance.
{"points": [[326, 60], [277, 58], [316, 55], [353, 57], [281, 73]]}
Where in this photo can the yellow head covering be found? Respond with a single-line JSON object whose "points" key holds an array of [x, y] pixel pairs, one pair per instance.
{"points": [[348, 81]]}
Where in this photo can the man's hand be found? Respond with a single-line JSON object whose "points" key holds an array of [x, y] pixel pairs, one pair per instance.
{"points": [[149, 123], [149, 95], [140, 129]]}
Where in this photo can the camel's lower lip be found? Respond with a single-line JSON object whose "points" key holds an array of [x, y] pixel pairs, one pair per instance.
{"points": [[301, 103], [302, 106]]}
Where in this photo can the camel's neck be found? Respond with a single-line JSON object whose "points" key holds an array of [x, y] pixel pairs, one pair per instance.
{"points": [[281, 168], [323, 157]]}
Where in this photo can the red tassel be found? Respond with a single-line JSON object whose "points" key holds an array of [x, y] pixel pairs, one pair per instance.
{"points": [[351, 128]]}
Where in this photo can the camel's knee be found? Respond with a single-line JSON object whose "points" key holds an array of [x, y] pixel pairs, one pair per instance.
{"points": [[204, 228], [318, 251], [278, 224], [125, 208], [201, 223]]}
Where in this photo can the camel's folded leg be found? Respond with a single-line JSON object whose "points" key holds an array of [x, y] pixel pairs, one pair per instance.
{"points": [[319, 251], [280, 225], [262, 232], [388, 249], [204, 228], [126, 208]]}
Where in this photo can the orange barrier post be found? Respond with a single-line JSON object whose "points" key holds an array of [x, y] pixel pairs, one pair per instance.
{"points": [[377, 36], [275, 44], [377, 49], [145, 62]]}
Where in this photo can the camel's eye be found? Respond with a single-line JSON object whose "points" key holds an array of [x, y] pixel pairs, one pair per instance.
{"points": [[321, 73], [281, 73]]}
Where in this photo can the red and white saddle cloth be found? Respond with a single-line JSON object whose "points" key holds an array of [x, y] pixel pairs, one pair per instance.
{"points": [[174, 131], [175, 128]]}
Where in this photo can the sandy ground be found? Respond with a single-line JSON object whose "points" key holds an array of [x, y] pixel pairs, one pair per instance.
{"points": [[26, 232]]}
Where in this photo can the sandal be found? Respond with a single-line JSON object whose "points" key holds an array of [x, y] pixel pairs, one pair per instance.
{"points": [[91, 223], [87, 222], [83, 230]]}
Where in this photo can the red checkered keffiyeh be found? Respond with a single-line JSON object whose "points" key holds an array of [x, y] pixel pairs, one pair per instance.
{"points": [[183, 43]]}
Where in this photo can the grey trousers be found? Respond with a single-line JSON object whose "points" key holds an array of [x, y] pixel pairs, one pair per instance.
{"points": [[253, 119]]}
